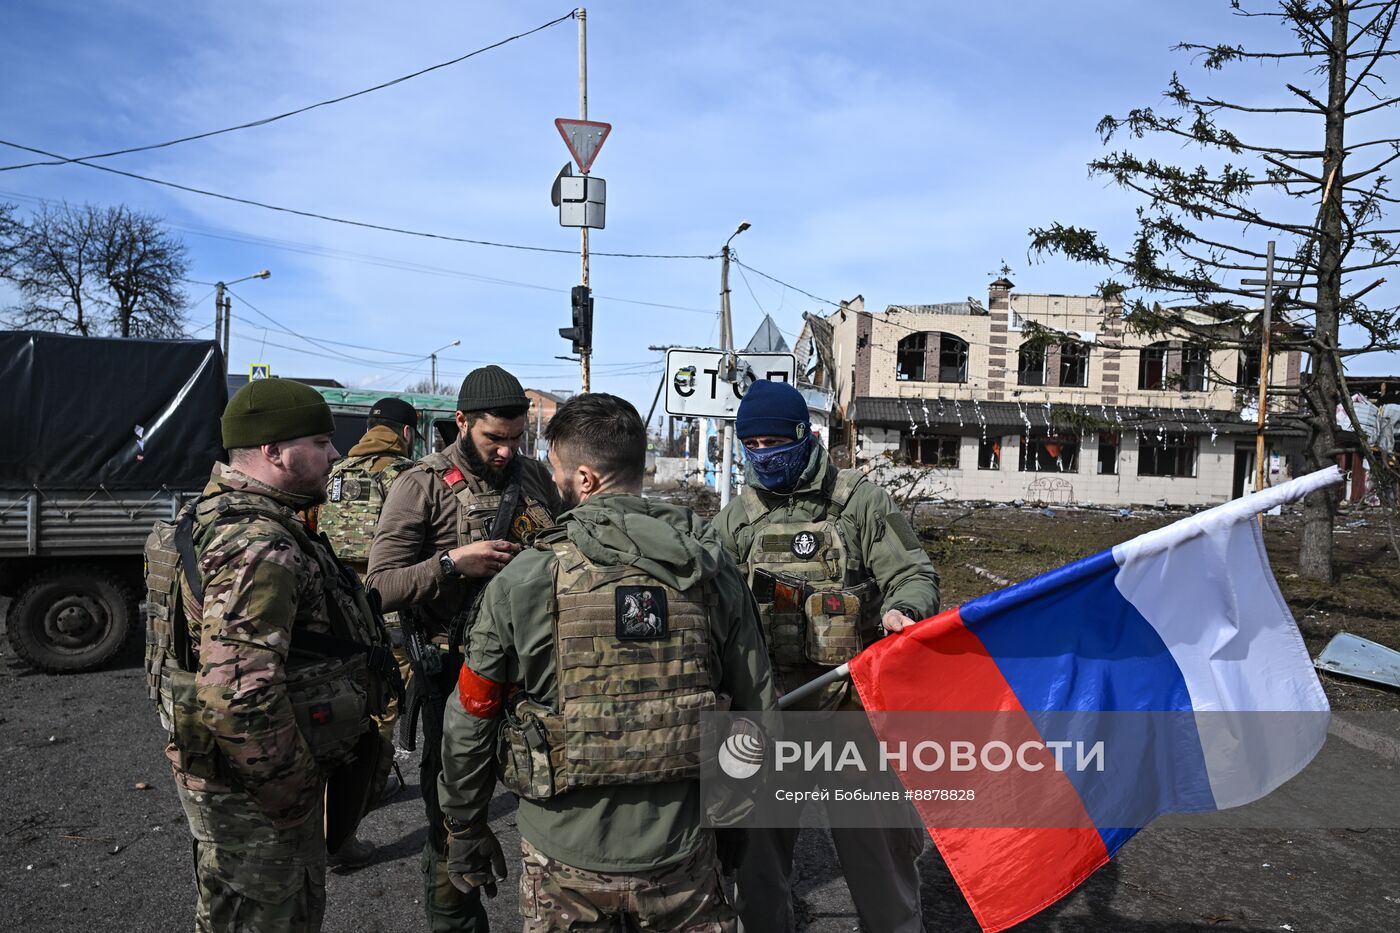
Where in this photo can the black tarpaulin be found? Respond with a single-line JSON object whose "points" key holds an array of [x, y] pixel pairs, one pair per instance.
{"points": [[79, 412]]}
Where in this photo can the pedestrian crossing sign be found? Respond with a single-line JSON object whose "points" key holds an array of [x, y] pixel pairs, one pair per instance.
{"points": [[258, 371]]}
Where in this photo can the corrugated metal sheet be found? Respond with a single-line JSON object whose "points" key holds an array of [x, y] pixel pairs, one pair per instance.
{"points": [[99, 524]]}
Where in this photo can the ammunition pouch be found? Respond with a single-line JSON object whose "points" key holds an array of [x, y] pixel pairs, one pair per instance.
{"points": [[330, 701], [182, 716], [528, 762]]}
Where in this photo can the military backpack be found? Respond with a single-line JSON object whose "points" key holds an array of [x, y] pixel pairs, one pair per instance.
{"points": [[355, 496]]}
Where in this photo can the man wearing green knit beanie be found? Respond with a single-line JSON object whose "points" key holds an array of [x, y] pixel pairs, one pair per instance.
{"points": [[248, 601]]}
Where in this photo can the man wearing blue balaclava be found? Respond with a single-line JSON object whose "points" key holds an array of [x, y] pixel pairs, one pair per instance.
{"points": [[800, 515]]}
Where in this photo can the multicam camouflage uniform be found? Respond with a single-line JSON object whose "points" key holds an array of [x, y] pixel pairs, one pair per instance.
{"points": [[254, 733], [681, 896], [612, 635]]}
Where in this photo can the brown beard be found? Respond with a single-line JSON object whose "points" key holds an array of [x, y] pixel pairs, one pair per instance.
{"points": [[493, 477]]}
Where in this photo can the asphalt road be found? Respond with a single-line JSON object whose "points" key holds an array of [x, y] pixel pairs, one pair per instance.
{"points": [[93, 838]]}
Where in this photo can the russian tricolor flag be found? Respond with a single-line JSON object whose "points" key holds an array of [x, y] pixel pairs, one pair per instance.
{"points": [[1187, 621]]}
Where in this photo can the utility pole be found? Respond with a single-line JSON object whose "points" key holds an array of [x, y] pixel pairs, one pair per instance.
{"points": [[727, 366], [433, 356], [1265, 360], [219, 321], [228, 326], [223, 312], [586, 351]]}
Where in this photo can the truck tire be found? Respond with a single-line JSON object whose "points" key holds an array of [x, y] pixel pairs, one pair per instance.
{"points": [[70, 619]]}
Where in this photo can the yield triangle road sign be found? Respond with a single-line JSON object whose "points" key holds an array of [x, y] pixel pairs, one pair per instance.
{"points": [[584, 138]]}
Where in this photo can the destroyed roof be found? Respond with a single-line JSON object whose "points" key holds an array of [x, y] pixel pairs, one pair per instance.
{"points": [[767, 339], [967, 417], [948, 308]]}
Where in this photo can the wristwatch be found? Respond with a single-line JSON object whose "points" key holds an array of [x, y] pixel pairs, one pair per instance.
{"points": [[448, 565]]}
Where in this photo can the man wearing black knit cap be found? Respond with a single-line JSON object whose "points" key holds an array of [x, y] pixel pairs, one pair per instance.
{"points": [[449, 524]]}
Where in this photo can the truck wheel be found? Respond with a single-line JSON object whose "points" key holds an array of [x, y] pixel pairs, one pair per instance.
{"points": [[70, 619]]}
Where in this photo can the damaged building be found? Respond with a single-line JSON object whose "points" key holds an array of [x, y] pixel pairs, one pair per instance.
{"points": [[1046, 398]]}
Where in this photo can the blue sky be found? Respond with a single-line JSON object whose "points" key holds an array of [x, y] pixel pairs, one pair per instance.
{"points": [[898, 150]]}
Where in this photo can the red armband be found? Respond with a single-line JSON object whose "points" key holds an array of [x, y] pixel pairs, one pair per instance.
{"points": [[453, 476], [480, 696]]}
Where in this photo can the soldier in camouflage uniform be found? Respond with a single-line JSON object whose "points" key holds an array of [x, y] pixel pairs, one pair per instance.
{"points": [[592, 660], [442, 533], [833, 565], [266, 662]]}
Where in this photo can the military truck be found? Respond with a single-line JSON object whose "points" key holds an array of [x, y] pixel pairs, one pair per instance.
{"points": [[104, 437]]}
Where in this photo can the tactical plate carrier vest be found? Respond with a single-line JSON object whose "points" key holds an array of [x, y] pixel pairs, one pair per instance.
{"points": [[816, 599], [635, 672], [477, 503], [354, 498], [335, 682]]}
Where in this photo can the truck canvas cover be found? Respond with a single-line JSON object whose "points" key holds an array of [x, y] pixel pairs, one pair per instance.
{"points": [[83, 412]]}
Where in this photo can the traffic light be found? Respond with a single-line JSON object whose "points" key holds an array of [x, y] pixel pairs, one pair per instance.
{"points": [[582, 332]]}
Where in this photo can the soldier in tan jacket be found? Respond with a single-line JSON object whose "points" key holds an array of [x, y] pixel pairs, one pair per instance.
{"points": [[449, 524]]}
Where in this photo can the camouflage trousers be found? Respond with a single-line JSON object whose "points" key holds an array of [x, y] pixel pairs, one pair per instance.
{"points": [[686, 896], [253, 877]]}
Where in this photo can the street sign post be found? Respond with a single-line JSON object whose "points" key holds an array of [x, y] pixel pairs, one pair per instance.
{"points": [[584, 138], [695, 389]]}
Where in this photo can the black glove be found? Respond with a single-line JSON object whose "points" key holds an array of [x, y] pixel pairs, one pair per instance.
{"points": [[474, 858]]}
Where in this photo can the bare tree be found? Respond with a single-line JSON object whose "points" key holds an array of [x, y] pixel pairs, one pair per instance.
{"points": [[12, 234], [95, 271], [57, 274], [427, 387], [1203, 226], [142, 266]]}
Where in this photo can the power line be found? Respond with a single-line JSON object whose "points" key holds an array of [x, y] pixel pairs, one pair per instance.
{"points": [[300, 110], [828, 301], [65, 160]]}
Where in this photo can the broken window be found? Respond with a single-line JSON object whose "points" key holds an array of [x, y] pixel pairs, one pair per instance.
{"points": [[1108, 453], [952, 359], [1167, 455], [909, 358], [1195, 367], [1049, 453], [1030, 366], [1248, 375], [938, 451], [1152, 366], [989, 454], [1074, 364]]}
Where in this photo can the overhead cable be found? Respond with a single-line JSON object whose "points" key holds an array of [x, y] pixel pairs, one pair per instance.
{"points": [[343, 220], [60, 160]]}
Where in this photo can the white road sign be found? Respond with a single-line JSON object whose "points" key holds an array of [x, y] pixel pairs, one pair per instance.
{"points": [[694, 388]]}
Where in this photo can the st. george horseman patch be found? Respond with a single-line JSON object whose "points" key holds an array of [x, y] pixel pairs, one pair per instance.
{"points": [[641, 613]]}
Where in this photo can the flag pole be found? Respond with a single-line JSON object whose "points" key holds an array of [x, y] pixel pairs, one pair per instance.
{"points": [[812, 686]]}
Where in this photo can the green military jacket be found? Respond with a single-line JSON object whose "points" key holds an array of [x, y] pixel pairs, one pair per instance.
{"points": [[876, 530], [625, 828]]}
